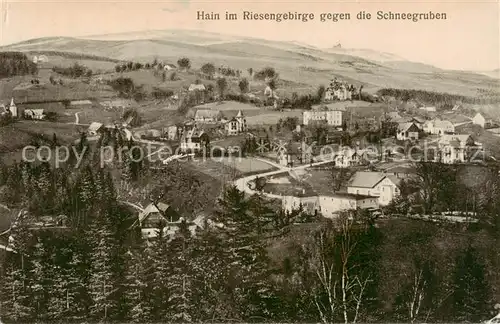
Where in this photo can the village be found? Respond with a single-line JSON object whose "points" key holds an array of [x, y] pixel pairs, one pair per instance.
{"points": [[193, 176], [293, 153]]}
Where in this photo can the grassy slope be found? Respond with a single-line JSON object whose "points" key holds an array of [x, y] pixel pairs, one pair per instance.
{"points": [[285, 57]]}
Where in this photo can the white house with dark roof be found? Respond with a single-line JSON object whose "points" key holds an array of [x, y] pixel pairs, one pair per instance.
{"points": [[456, 148], [329, 205], [377, 184], [407, 131], [235, 125], [439, 127], [37, 114], [156, 216], [207, 116], [193, 139]]}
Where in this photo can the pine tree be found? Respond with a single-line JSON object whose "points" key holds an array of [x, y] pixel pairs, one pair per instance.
{"points": [[40, 277], [471, 296], [210, 268], [138, 306], [248, 256], [180, 281], [101, 281], [15, 296]]}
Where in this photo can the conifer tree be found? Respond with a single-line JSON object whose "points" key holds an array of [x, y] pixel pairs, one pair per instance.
{"points": [[102, 284], [15, 295], [180, 281], [248, 257], [471, 296], [139, 308]]}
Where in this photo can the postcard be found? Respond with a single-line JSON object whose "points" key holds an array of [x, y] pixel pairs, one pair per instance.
{"points": [[249, 161]]}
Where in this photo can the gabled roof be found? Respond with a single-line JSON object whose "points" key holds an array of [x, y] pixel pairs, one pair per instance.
{"points": [[403, 127], [439, 123], [418, 119], [449, 139], [94, 126], [369, 179], [478, 115], [200, 87], [35, 111], [151, 208]]}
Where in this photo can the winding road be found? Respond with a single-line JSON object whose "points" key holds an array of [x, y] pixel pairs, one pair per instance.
{"points": [[242, 183]]}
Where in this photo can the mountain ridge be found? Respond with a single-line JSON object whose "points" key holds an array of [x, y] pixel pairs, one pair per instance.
{"points": [[294, 61]]}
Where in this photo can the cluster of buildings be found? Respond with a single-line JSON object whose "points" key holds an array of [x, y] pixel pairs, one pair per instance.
{"points": [[338, 90], [365, 190]]}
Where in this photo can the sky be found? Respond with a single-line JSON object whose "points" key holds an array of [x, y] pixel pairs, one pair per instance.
{"points": [[469, 39]]}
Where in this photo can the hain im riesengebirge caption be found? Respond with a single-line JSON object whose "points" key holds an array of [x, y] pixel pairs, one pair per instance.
{"points": [[323, 17]]}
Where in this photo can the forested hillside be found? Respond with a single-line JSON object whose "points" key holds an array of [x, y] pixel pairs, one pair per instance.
{"points": [[254, 268], [15, 63]]}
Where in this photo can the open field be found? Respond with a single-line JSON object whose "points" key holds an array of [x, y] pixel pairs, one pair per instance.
{"points": [[272, 117], [92, 114], [247, 165], [228, 105], [15, 136]]}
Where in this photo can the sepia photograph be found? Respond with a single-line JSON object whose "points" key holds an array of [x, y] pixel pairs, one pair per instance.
{"points": [[182, 161]]}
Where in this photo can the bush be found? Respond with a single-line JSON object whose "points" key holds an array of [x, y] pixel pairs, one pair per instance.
{"points": [[74, 71]]}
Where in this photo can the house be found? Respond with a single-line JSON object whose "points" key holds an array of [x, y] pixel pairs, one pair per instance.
{"points": [[40, 59], [456, 107], [439, 127], [456, 148], [94, 128], [393, 116], [419, 121], [348, 157], [117, 104], [13, 108], [407, 131], [197, 87], [479, 120], [331, 117], [156, 216], [428, 109], [207, 116], [284, 158], [171, 133], [236, 125], [80, 104], [193, 140], [169, 67], [37, 114], [378, 184], [329, 205], [339, 91]]}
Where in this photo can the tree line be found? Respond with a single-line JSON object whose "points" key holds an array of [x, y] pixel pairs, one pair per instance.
{"points": [[16, 63]]}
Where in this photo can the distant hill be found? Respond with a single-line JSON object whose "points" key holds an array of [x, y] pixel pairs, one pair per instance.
{"points": [[294, 61]]}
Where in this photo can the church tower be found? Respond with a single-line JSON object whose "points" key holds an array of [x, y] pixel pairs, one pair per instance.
{"points": [[13, 108]]}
